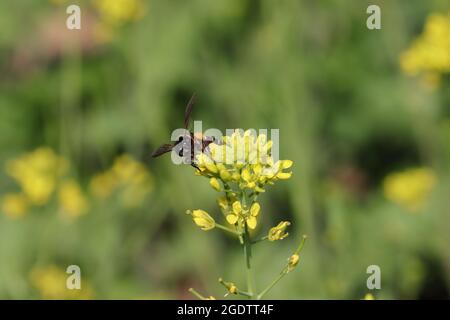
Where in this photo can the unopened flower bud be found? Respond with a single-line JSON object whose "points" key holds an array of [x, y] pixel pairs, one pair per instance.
{"points": [[215, 184], [202, 219]]}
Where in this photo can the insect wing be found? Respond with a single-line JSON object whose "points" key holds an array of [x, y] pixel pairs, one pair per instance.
{"points": [[162, 149], [188, 111]]}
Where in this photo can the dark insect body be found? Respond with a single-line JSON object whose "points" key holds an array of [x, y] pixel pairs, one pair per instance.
{"points": [[189, 141]]}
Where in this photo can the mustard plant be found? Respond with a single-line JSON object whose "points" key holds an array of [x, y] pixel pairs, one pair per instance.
{"points": [[240, 169]]}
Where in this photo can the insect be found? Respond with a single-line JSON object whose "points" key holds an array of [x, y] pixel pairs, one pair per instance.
{"points": [[189, 141]]}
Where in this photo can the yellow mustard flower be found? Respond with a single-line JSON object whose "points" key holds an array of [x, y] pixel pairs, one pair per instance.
{"points": [[410, 188], [50, 281], [14, 204], [278, 232], [72, 201], [242, 166], [429, 54], [37, 173], [243, 214], [245, 160], [202, 219]]}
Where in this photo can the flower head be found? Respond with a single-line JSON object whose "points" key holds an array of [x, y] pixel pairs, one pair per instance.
{"points": [[241, 214], [243, 159]]}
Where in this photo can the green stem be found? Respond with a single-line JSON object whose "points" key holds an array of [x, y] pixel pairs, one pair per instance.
{"points": [[248, 266], [244, 293], [259, 240], [195, 293], [227, 229], [270, 286]]}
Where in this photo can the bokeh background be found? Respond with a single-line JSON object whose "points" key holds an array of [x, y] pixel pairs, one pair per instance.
{"points": [[364, 115]]}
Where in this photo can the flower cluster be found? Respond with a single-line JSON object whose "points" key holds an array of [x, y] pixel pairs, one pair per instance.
{"points": [[410, 188], [242, 167], [429, 54], [127, 178], [40, 174], [243, 159]]}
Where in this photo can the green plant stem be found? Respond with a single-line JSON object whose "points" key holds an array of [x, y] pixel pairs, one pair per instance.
{"points": [[227, 229], [259, 240], [244, 293], [195, 293], [248, 266], [270, 286]]}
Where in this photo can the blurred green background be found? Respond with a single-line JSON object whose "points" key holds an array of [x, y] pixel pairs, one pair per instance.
{"points": [[364, 115]]}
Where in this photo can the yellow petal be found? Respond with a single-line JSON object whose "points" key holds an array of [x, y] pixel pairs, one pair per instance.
{"points": [[286, 164], [255, 208], [251, 222], [237, 208], [246, 175], [284, 175], [257, 168], [232, 219]]}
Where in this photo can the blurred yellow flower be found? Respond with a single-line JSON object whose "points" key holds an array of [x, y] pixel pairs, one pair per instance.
{"points": [[117, 12], [410, 188], [102, 185], [37, 173], [72, 201], [14, 204], [429, 54], [369, 296], [128, 177], [50, 281]]}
